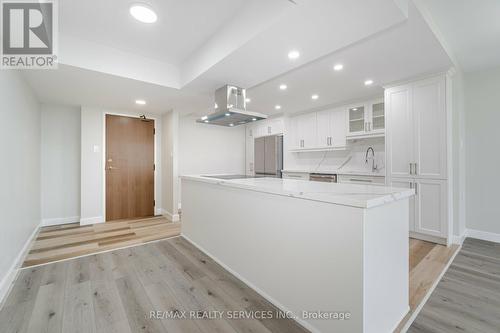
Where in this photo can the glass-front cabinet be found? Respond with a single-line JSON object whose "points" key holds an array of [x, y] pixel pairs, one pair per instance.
{"points": [[367, 119]]}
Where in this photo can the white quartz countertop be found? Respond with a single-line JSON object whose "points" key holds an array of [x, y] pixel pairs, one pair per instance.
{"points": [[361, 196], [340, 172]]}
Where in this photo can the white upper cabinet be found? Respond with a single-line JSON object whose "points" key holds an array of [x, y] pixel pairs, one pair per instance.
{"points": [[356, 120], [306, 131], [429, 114], [324, 129], [331, 131], [399, 135], [366, 119], [416, 129], [266, 127]]}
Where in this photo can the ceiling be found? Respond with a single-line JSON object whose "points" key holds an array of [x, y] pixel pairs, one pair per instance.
{"points": [[403, 51], [75, 86], [182, 26], [243, 43], [471, 29]]}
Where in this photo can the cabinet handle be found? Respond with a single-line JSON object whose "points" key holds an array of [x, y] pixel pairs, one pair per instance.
{"points": [[411, 170], [416, 191], [360, 180], [331, 141], [415, 168], [365, 126]]}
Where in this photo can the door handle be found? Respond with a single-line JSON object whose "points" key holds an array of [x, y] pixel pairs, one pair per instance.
{"points": [[112, 168]]}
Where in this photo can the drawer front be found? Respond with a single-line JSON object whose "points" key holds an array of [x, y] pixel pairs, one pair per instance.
{"points": [[366, 180], [296, 175]]}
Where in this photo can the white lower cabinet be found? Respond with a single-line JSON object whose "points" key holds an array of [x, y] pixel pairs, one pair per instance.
{"points": [[431, 207], [428, 208]]}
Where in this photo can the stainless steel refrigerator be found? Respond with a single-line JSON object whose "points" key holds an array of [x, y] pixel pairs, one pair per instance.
{"points": [[268, 155]]}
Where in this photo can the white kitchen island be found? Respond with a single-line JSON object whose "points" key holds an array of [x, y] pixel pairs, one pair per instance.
{"points": [[310, 248]]}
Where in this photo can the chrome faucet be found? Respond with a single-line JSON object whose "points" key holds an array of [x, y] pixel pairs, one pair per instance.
{"points": [[374, 167]]}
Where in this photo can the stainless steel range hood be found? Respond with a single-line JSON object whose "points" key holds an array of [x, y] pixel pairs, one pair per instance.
{"points": [[230, 108]]}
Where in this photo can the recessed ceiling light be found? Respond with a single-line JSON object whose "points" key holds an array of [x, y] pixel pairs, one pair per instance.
{"points": [[231, 125], [283, 87], [140, 102], [277, 107], [354, 109], [144, 13], [338, 67], [254, 119], [294, 54], [368, 82], [314, 96], [248, 100], [227, 114], [204, 118]]}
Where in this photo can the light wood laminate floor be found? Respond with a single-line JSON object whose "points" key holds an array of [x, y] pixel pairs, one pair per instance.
{"points": [[114, 291], [427, 263], [72, 240], [467, 299]]}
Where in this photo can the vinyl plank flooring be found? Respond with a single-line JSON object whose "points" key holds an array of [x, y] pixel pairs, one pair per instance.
{"points": [[78, 309], [65, 242], [116, 291], [467, 298]]}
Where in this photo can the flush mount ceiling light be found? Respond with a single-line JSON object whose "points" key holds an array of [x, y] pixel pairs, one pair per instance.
{"points": [[338, 67], [368, 82], [277, 107], [143, 13], [283, 87], [140, 102], [315, 97], [294, 54]]}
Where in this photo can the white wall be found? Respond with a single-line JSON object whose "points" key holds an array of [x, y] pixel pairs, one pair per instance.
{"points": [[60, 164], [92, 162], [92, 166], [19, 171], [482, 143], [459, 153], [210, 149], [169, 155]]}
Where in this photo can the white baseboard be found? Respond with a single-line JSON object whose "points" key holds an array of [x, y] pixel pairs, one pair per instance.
{"points": [[60, 220], [171, 217], [158, 211], [459, 239], [92, 220], [10, 277], [483, 235], [428, 238]]}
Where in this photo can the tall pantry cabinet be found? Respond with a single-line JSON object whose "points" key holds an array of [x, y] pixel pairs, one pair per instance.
{"points": [[417, 152]]}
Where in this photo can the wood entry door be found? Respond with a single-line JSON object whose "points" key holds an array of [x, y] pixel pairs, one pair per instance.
{"points": [[129, 167]]}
